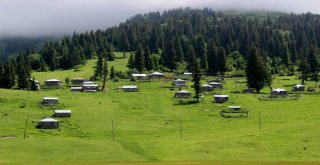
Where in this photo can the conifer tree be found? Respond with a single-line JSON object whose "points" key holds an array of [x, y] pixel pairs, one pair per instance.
{"points": [[147, 59], [256, 71], [1, 74], [196, 78], [33, 85], [104, 73], [212, 58], [112, 73], [124, 43], [130, 64], [314, 64], [221, 62], [200, 49], [99, 67], [23, 82], [139, 59], [304, 66]]}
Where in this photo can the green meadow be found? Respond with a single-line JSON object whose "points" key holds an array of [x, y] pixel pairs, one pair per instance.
{"points": [[149, 126]]}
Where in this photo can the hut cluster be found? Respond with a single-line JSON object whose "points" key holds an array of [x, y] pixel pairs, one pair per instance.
{"points": [[50, 123]]}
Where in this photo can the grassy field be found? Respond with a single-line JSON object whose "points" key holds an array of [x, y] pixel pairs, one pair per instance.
{"points": [[151, 127]]}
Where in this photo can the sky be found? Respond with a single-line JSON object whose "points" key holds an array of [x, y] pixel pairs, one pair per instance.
{"points": [[58, 17]]}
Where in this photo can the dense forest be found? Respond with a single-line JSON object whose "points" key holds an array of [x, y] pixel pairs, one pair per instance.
{"points": [[169, 41]]}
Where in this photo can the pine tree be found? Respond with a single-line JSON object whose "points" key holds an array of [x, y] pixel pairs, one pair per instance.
{"points": [[23, 82], [67, 80], [304, 66], [200, 49], [112, 73], [147, 59], [197, 78], [99, 66], [130, 64], [212, 58], [139, 60], [104, 73], [314, 64], [256, 72], [124, 43], [221, 62]]}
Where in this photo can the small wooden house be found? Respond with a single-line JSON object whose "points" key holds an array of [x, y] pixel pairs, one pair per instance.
{"points": [[78, 81], [179, 82], [76, 89], [278, 92], [35, 82], [216, 85], [299, 87], [234, 108], [50, 100], [62, 113], [52, 83], [89, 87], [206, 88], [156, 75], [48, 123], [183, 94], [221, 98], [139, 76], [130, 88]]}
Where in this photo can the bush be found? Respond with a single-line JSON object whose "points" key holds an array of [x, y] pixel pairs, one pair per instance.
{"points": [[311, 89]]}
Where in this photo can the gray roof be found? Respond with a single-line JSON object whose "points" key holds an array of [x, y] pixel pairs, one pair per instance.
{"points": [[220, 95], [48, 120], [279, 90], [183, 91], [52, 80], [62, 111], [50, 98], [129, 86], [234, 107]]}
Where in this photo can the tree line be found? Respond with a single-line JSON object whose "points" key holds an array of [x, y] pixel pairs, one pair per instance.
{"points": [[168, 41]]}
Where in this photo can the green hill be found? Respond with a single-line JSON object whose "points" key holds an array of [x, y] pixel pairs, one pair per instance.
{"points": [[151, 127]]}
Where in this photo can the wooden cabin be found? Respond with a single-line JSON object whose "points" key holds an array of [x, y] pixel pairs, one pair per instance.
{"points": [[89, 87], [62, 113], [179, 82], [50, 100], [183, 94], [278, 92], [48, 123], [78, 81], [221, 98], [216, 85], [129, 88], [299, 87], [53, 83], [206, 88], [156, 75]]}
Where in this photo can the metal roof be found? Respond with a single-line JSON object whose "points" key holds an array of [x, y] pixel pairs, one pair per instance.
{"points": [[53, 80], [139, 75], [299, 85], [48, 120], [214, 83], [179, 80], [62, 111], [234, 107], [50, 98], [156, 73], [279, 90], [206, 85], [129, 86], [183, 91], [76, 87], [220, 95]]}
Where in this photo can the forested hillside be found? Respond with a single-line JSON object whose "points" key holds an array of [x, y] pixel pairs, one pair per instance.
{"points": [[170, 40]]}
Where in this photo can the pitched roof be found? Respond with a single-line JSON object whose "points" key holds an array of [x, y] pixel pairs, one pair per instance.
{"points": [[220, 95], [52, 80], [50, 98], [183, 91], [48, 120], [62, 111]]}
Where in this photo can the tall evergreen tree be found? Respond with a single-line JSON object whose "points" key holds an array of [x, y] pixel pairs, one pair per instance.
{"points": [[8, 80], [304, 66], [314, 64], [112, 73], [104, 73], [139, 59], [23, 82], [212, 58], [99, 67], [124, 43], [256, 71], [196, 74], [200, 48], [221, 62], [147, 59], [130, 64], [1, 74]]}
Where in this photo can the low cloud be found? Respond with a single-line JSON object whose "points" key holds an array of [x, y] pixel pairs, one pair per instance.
{"points": [[57, 17]]}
